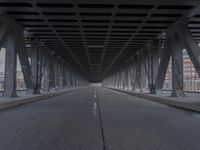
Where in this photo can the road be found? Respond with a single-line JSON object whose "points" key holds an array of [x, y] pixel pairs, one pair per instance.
{"points": [[98, 119]]}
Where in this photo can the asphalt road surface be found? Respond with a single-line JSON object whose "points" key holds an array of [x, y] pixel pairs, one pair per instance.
{"points": [[98, 119]]}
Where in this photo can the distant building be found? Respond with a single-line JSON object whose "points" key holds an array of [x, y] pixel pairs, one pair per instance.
{"points": [[191, 78], [19, 78], [20, 81], [1, 81]]}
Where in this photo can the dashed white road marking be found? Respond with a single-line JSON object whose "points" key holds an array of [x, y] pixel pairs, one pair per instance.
{"points": [[95, 109], [95, 93]]}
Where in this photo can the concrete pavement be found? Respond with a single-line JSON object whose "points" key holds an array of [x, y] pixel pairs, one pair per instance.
{"points": [[135, 123], [28, 98], [72, 122]]}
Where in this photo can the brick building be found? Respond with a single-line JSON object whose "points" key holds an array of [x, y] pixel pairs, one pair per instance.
{"points": [[191, 78]]}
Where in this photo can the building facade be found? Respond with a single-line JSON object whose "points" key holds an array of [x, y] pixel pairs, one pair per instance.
{"points": [[191, 78]]}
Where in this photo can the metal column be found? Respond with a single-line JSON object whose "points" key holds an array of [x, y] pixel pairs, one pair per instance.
{"points": [[10, 67], [177, 67]]}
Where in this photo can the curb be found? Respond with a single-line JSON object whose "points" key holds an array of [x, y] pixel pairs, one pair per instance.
{"points": [[21, 101], [180, 105]]}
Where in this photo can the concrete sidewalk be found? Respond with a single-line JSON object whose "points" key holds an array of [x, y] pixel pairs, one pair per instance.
{"points": [[28, 98], [190, 102]]}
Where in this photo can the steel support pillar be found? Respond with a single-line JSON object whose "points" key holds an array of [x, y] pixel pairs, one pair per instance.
{"points": [[153, 68], [138, 74], [10, 67], [155, 64], [25, 66], [76, 81], [177, 67], [133, 73], [61, 79], [114, 80], [40, 68], [51, 73], [191, 46], [67, 74], [143, 73], [117, 79], [35, 66], [121, 79], [64, 76], [56, 72], [71, 79], [150, 71], [46, 83], [163, 65], [42, 63], [126, 76]]}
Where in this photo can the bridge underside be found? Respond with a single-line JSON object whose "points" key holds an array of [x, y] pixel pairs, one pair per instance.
{"points": [[119, 43]]}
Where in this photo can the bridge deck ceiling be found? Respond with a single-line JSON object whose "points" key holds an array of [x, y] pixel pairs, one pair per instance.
{"points": [[95, 32]]}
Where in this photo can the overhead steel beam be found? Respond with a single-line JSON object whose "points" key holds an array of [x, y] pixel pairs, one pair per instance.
{"points": [[189, 14], [133, 35], [85, 44], [106, 42], [36, 8]]}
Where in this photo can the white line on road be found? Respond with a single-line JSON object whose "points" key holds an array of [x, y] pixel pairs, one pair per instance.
{"points": [[95, 109], [95, 93]]}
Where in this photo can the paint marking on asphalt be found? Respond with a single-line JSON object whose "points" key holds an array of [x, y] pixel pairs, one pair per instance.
{"points": [[95, 109], [101, 124], [95, 93]]}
